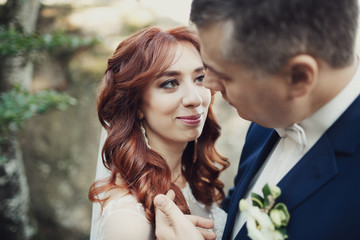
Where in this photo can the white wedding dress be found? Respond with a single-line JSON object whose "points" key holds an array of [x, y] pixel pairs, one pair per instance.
{"points": [[124, 217]]}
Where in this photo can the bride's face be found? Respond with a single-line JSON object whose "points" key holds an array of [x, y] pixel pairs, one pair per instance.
{"points": [[175, 105]]}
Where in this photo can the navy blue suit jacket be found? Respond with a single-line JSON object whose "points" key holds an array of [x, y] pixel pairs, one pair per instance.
{"points": [[322, 191]]}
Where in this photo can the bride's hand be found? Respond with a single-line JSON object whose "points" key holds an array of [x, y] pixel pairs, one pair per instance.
{"points": [[172, 224]]}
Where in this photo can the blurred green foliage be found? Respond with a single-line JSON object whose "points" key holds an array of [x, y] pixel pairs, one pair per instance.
{"points": [[15, 43], [18, 105]]}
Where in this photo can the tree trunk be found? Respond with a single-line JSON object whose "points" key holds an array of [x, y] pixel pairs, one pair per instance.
{"points": [[21, 15], [14, 193], [14, 190]]}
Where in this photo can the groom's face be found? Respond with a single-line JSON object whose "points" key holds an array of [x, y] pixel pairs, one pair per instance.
{"points": [[262, 100]]}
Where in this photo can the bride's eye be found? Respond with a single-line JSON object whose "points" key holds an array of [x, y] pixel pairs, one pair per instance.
{"points": [[169, 84], [200, 78]]}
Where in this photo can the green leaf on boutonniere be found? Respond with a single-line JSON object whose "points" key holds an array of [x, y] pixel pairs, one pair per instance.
{"points": [[283, 231], [266, 191], [257, 200]]}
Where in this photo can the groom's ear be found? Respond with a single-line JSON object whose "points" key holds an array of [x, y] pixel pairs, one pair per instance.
{"points": [[302, 75]]}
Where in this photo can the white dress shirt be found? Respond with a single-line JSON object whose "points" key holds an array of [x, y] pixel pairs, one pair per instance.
{"points": [[296, 140]]}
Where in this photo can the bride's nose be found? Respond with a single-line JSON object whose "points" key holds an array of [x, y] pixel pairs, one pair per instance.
{"points": [[191, 96]]}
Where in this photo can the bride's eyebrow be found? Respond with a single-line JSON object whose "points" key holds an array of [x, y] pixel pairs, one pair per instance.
{"points": [[199, 69], [168, 74], [176, 73]]}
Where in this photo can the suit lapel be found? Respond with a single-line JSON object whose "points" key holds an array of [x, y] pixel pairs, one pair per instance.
{"points": [[314, 170], [319, 165], [245, 181]]}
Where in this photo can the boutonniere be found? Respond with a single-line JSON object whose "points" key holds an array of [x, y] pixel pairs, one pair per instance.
{"points": [[265, 220]]}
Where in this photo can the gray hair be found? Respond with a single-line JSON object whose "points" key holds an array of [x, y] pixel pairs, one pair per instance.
{"points": [[263, 35]]}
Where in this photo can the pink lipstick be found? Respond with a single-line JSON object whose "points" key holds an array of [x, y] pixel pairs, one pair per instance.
{"points": [[193, 119]]}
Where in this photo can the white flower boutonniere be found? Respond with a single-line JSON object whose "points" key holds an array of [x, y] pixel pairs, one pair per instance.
{"points": [[265, 220]]}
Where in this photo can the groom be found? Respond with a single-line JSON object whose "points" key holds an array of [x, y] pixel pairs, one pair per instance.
{"points": [[289, 66]]}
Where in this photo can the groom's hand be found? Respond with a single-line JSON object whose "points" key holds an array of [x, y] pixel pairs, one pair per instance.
{"points": [[172, 224]]}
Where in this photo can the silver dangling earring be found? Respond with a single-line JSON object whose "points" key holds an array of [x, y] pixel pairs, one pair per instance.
{"points": [[195, 151], [143, 131]]}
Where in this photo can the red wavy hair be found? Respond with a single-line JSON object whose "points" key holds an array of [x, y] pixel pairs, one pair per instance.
{"points": [[135, 63]]}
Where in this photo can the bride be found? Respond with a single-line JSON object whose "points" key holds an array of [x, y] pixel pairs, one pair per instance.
{"points": [[161, 133]]}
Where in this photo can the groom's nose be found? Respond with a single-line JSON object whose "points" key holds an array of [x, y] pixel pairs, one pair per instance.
{"points": [[212, 81]]}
